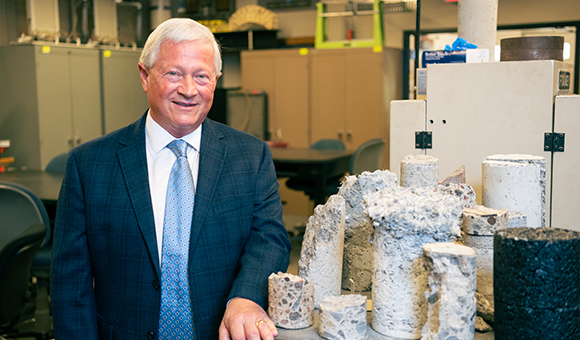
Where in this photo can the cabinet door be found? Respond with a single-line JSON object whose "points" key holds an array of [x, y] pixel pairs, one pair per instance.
{"points": [[364, 97], [85, 95], [284, 76], [258, 73], [54, 102], [292, 98], [328, 107], [566, 183], [124, 100]]}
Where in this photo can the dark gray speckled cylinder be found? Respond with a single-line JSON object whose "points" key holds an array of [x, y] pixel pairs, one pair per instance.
{"points": [[536, 284]]}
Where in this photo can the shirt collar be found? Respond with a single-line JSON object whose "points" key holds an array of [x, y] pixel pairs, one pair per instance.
{"points": [[157, 137]]}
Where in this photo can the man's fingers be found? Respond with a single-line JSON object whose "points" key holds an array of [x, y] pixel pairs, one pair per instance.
{"points": [[271, 326], [263, 330], [223, 332]]}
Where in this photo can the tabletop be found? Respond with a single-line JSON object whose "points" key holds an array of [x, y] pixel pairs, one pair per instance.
{"points": [[311, 333], [305, 155], [44, 184]]}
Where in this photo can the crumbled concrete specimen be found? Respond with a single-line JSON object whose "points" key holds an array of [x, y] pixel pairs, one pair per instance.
{"points": [[457, 177], [481, 325], [404, 221], [463, 192], [419, 171], [451, 293], [479, 225], [485, 307], [290, 301], [517, 219], [481, 220], [357, 268], [516, 182], [321, 255], [343, 317], [536, 277]]}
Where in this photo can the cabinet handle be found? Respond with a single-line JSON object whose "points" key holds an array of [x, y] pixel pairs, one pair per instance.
{"points": [[69, 140], [348, 135], [340, 135], [78, 140]]}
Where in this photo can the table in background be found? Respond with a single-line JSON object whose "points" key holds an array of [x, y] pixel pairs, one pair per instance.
{"points": [[309, 164], [45, 185]]}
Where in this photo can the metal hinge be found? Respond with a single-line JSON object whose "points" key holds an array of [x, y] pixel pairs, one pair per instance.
{"points": [[423, 139], [554, 141]]}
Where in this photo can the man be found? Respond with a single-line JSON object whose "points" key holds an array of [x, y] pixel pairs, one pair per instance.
{"points": [[116, 252]]}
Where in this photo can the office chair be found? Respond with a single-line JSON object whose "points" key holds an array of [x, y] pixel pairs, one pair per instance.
{"points": [[15, 260], [367, 157], [57, 164], [20, 209], [328, 144]]}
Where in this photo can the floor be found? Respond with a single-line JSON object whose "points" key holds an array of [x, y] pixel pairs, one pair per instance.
{"points": [[295, 225]]}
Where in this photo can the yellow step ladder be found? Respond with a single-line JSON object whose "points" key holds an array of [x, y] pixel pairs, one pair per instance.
{"points": [[322, 25]]}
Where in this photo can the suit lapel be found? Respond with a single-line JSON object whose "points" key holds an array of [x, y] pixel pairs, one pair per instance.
{"points": [[211, 159], [133, 163]]}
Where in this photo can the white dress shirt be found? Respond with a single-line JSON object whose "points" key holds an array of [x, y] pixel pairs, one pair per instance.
{"points": [[160, 160]]}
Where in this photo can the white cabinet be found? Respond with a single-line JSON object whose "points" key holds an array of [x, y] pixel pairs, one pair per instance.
{"points": [[50, 100]]}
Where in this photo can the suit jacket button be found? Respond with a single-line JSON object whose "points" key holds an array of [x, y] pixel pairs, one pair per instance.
{"points": [[155, 284], [150, 335]]}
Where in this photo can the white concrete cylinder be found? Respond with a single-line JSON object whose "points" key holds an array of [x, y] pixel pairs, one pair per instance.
{"points": [[477, 23], [516, 182], [451, 293], [343, 317], [404, 221], [290, 301], [483, 247], [322, 248], [419, 171]]}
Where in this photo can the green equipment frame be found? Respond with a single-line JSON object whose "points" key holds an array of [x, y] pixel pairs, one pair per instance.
{"points": [[321, 27]]}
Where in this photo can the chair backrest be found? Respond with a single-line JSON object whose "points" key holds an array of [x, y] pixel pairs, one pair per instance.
{"points": [[16, 258], [57, 164], [19, 209], [328, 144], [368, 156]]}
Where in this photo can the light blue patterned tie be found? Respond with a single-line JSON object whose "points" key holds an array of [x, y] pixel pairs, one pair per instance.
{"points": [[175, 320]]}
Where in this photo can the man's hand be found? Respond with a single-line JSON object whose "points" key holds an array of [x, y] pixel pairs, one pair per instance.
{"points": [[246, 320]]}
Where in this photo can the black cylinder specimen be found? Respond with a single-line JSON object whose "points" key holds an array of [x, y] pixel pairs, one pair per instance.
{"points": [[536, 275]]}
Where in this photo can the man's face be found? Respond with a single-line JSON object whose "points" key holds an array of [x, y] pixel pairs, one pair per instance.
{"points": [[180, 85]]}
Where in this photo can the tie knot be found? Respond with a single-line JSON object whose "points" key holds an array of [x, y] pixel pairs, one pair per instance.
{"points": [[179, 147]]}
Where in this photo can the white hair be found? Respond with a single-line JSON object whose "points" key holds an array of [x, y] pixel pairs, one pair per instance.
{"points": [[176, 30]]}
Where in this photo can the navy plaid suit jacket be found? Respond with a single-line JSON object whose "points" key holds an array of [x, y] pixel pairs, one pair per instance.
{"points": [[105, 280]]}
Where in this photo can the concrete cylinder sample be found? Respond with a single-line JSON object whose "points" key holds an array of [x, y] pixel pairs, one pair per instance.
{"points": [[462, 191], [477, 23], [479, 225], [419, 171], [405, 220], [537, 283], [343, 317], [516, 182], [357, 268], [451, 293], [290, 301], [322, 248]]}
